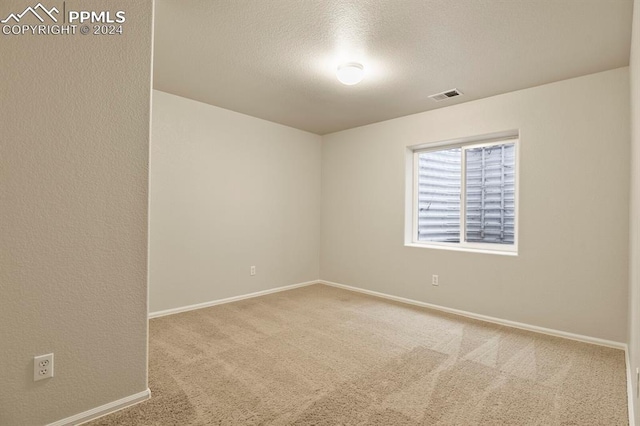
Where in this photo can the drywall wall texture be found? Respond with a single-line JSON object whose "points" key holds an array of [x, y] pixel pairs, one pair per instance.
{"points": [[74, 135], [228, 191], [634, 212], [571, 273]]}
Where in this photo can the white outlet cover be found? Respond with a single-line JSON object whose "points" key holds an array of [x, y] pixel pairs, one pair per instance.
{"points": [[42, 367]]}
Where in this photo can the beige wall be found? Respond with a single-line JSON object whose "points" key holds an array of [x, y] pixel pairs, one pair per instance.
{"points": [[74, 136], [229, 191], [634, 234], [571, 273]]}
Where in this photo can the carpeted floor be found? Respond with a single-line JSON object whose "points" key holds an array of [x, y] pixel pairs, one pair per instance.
{"points": [[319, 355]]}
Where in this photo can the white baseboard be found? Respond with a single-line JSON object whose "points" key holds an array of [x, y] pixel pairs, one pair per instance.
{"points": [[103, 410], [228, 300], [630, 390], [500, 321]]}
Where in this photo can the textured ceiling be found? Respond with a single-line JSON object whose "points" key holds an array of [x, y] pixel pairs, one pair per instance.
{"points": [[276, 59]]}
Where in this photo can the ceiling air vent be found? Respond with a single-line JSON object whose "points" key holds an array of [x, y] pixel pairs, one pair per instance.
{"points": [[446, 95]]}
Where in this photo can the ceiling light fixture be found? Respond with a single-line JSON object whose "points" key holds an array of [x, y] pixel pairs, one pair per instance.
{"points": [[350, 73]]}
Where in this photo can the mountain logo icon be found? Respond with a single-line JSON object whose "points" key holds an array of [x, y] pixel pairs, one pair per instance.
{"points": [[38, 11]]}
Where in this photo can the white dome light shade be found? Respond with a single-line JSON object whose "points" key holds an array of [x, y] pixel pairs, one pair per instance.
{"points": [[350, 73]]}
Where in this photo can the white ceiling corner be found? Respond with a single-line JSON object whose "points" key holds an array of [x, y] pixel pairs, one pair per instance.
{"points": [[276, 59]]}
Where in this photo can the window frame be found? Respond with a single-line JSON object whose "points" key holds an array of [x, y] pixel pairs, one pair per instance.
{"points": [[411, 217]]}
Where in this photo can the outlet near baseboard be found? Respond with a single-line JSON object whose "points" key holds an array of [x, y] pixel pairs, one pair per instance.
{"points": [[42, 367]]}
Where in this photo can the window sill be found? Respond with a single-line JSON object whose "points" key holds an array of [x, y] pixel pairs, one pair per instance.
{"points": [[467, 249]]}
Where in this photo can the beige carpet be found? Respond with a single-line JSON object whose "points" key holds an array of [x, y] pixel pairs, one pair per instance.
{"points": [[324, 356]]}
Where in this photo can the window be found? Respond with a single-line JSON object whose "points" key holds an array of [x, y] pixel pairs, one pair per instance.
{"points": [[464, 195]]}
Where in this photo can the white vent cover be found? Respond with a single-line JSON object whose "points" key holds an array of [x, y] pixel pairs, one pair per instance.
{"points": [[446, 95]]}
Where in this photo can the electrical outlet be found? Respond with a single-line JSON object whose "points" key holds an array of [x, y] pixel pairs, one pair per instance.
{"points": [[434, 280], [42, 367], [253, 270]]}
